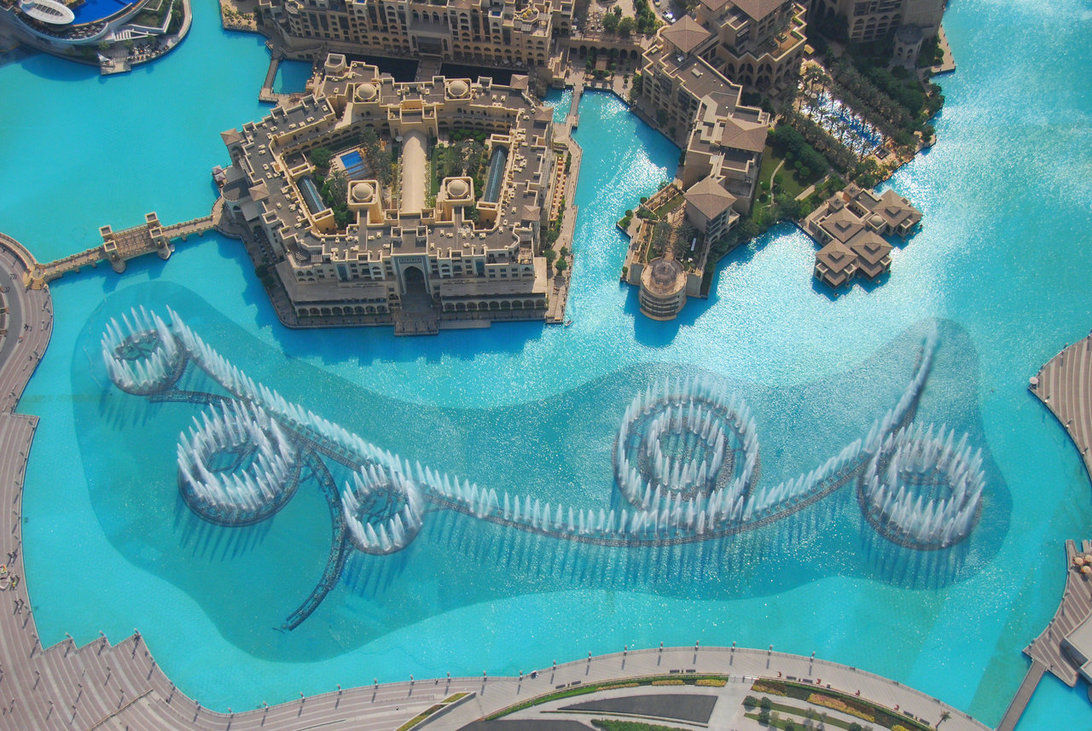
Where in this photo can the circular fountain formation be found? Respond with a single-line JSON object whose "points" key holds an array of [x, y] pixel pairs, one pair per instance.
{"points": [[236, 466], [689, 448], [141, 354], [923, 490], [382, 509]]}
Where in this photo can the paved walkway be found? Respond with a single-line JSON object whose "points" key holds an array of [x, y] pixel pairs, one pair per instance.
{"points": [[1064, 385], [559, 284], [747, 665]]}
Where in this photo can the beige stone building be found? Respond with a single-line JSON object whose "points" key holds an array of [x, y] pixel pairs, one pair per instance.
{"points": [[700, 110], [873, 20], [759, 44], [418, 252], [492, 32], [850, 225]]}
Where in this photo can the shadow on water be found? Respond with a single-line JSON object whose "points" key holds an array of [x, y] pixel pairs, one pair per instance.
{"points": [[45, 66], [210, 542]]}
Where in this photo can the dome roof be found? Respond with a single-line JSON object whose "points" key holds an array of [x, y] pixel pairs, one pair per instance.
{"points": [[876, 220], [366, 92], [458, 88], [363, 192], [458, 188]]}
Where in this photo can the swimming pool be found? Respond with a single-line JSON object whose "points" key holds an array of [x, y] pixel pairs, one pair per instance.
{"points": [[354, 165], [91, 10]]}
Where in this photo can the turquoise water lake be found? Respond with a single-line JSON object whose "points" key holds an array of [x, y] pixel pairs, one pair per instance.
{"points": [[1000, 271]]}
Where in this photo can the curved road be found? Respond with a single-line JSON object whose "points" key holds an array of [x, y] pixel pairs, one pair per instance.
{"points": [[120, 686]]}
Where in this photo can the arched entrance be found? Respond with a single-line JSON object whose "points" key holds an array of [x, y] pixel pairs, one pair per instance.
{"points": [[415, 296]]}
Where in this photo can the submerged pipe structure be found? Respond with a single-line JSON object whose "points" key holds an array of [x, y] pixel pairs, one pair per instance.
{"points": [[686, 460]]}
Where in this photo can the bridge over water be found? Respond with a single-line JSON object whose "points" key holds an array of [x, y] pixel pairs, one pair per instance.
{"points": [[118, 247]]}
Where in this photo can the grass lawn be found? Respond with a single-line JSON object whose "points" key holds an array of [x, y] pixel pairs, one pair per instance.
{"points": [[770, 160], [610, 725], [786, 177]]}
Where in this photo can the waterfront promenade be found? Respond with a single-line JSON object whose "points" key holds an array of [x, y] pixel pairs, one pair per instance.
{"points": [[1046, 650], [1064, 385], [739, 664]]}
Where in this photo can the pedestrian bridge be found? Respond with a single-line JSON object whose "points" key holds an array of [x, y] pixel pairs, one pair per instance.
{"points": [[118, 247]]}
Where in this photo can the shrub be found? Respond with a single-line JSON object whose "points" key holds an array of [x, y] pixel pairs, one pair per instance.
{"points": [[321, 157]]}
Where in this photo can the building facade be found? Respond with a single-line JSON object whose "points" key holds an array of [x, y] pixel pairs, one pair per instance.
{"points": [[695, 105], [877, 20], [492, 32], [416, 249], [759, 44]]}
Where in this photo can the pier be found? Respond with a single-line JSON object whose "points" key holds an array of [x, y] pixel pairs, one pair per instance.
{"points": [[1046, 651], [1075, 607], [267, 94], [118, 247], [1064, 385]]}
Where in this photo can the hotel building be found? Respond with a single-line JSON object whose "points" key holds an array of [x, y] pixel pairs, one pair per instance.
{"points": [[416, 254], [850, 225], [694, 105], [503, 33], [758, 44], [876, 20]]}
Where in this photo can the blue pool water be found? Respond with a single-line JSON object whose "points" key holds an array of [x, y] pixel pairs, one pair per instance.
{"points": [[354, 165], [91, 10], [997, 271], [291, 77]]}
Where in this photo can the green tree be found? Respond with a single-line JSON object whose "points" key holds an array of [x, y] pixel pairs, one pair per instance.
{"points": [[626, 26], [764, 706], [321, 157], [610, 20]]}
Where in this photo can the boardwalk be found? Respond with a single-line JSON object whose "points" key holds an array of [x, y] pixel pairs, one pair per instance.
{"points": [[1064, 385], [1045, 650], [1022, 698], [116, 686]]}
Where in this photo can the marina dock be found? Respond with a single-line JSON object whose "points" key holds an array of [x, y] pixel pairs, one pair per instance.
{"points": [[1046, 650]]}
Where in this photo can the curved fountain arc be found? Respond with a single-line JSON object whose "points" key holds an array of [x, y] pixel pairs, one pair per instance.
{"points": [[685, 461]]}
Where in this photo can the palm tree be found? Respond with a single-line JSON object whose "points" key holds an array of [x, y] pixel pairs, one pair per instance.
{"points": [[944, 716]]}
